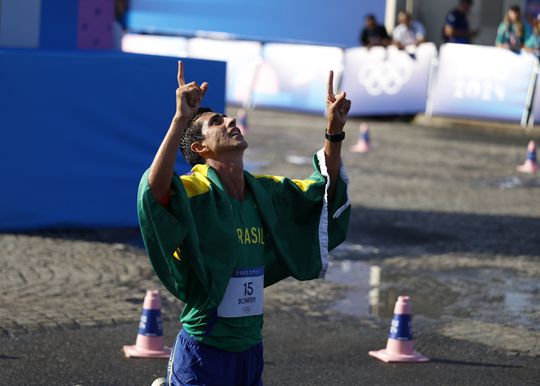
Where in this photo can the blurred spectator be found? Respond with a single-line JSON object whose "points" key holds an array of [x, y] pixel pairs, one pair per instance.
{"points": [[373, 34], [456, 26], [408, 32], [532, 44], [512, 32]]}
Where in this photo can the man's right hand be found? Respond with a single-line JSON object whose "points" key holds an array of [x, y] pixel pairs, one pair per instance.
{"points": [[188, 100], [188, 96]]}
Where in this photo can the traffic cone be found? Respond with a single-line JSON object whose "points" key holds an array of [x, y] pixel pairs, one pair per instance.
{"points": [[242, 121], [399, 347], [149, 343], [364, 143], [531, 163]]}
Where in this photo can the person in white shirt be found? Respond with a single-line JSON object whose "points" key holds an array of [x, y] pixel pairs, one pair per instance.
{"points": [[409, 32]]}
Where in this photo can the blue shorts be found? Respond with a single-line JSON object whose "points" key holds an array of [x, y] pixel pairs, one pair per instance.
{"points": [[194, 363]]}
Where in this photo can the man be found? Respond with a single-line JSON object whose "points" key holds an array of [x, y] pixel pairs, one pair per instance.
{"points": [[408, 32], [456, 28], [373, 34], [217, 237]]}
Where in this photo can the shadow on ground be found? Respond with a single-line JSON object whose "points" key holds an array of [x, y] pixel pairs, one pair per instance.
{"points": [[411, 233]]}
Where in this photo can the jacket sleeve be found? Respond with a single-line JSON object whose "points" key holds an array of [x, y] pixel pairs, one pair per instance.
{"points": [[308, 227], [163, 230]]}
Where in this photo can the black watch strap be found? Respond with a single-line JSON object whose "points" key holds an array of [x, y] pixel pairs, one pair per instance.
{"points": [[334, 137]]}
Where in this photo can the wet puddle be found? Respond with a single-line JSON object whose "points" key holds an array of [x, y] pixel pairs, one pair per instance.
{"points": [[374, 291], [512, 182], [487, 294]]}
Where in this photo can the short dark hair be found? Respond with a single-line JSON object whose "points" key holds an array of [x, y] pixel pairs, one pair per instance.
{"points": [[193, 133], [468, 2]]}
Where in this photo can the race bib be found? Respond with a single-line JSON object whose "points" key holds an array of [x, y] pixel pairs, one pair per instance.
{"points": [[244, 295]]}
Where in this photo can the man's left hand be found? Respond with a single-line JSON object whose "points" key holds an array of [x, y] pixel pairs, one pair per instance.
{"points": [[337, 107]]}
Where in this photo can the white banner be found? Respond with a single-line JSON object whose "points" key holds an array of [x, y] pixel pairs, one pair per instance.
{"points": [[294, 76], [388, 81], [482, 82]]}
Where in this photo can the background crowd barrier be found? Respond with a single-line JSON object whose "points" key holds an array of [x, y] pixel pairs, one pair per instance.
{"points": [[79, 129], [483, 82], [242, 59], [389, 81], [295, 77], [462, 80]]}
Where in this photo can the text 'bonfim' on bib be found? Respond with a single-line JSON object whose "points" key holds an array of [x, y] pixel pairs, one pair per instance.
{"points": [[244, 295]]}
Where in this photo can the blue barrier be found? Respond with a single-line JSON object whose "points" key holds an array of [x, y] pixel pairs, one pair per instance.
{"points": [[58, 24], [79, 129]]}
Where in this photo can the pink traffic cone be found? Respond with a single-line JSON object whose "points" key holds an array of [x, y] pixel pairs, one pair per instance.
{"points": [[364, 143], [399, 347], [149, 343], [242, 121], [531, 163]]}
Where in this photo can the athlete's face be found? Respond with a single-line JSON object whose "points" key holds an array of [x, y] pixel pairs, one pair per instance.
{"points": [[221, 133]]}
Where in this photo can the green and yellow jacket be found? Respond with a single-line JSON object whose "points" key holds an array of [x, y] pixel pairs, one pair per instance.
{"points": [[192, 243]]}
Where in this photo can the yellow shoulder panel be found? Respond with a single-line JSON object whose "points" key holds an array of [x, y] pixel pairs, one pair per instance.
{"points": [[198, 182], [302, 184]]}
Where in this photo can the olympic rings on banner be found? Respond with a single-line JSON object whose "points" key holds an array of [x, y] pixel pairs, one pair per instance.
{"points": [[385, 76]]}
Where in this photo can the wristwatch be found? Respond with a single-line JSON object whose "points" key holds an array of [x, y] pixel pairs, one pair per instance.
{"points": [[334, 137]]}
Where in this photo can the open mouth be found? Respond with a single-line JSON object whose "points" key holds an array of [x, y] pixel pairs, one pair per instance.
{"points": [[235, 132]]}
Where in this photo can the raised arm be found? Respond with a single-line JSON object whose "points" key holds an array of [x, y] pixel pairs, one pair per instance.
{"points": [[188, 100], [337, 110]]}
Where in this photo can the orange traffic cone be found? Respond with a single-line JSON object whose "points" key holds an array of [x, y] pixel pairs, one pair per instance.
{"points": [[399, 347], [531, 163], [149, 343], [364, 143]]}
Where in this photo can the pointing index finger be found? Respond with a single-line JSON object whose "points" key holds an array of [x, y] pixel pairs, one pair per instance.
{"points": [[181, 81], [330, 86]]}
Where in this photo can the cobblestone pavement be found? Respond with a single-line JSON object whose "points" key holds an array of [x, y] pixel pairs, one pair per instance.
{"points": [[433, 205], [60, 280]]}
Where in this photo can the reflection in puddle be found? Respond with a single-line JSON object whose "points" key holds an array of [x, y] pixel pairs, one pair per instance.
{"points": [[484, 294], [366, 297], [374, 291]]}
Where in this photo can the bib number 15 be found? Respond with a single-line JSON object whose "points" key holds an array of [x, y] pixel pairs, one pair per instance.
{"points": [[248, 288]]}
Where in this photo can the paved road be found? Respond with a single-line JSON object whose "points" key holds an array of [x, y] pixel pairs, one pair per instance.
{"points": [[441, 212]]}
